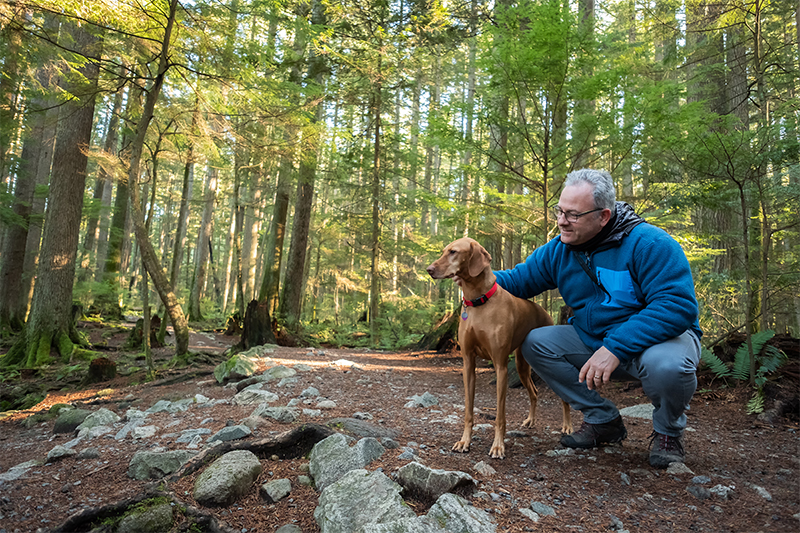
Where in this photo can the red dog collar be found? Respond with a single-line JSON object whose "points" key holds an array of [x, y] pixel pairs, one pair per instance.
{"points": [[483, 299]]}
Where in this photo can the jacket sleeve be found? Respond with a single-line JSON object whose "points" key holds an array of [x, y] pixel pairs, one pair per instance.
{"points": [[532, 277], [665, 278]]}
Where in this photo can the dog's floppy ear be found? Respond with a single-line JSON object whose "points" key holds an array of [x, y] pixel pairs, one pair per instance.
{"points": [[478, 260]]}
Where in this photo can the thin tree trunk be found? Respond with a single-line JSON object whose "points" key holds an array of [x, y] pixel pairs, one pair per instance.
{"points": [[296, 261], [101, 183], [203, 246], [149, 258]]}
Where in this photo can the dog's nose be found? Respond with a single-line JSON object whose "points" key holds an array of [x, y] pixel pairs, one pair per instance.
{"points": [[431, 269]]}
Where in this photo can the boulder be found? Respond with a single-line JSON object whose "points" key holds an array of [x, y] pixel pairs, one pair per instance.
{"points": [[429, 483], [360, 498], [332, 457], [156, 519], [227, 479], [155, 465], [69, 419]]}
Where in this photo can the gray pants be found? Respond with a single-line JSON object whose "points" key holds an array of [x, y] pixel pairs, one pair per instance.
{"points": [[667, 372]]}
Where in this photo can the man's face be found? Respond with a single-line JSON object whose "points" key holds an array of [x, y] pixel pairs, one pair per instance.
{"points": [[578, 199]]}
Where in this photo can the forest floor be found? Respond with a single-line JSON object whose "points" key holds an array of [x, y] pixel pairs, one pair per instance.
{"points": [[597, 490]]}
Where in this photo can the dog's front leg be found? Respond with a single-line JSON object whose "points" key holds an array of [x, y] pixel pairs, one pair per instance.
{"points": [[498, 449], [468, 373]]}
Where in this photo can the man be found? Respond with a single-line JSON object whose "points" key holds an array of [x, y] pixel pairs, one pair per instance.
{"points": [[630, 288]]}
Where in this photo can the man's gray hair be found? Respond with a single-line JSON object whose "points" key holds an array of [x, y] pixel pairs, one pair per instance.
{"points": [[604, 194]]}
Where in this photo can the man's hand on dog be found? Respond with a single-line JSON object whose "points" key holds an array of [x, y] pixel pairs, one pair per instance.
{"points": [[598, 368]]}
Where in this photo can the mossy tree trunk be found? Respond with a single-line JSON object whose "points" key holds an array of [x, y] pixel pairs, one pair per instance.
{"points": [[51, 325]]}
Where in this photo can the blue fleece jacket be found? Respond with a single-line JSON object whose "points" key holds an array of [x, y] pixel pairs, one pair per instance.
{"points": [[644, 294]]}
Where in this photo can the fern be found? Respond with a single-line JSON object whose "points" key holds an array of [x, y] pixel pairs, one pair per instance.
{"points": [[741, 361], [716, 365], [756, 403]]}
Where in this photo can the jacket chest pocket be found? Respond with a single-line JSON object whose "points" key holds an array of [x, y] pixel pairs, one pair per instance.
{"points": [[620, 288]]}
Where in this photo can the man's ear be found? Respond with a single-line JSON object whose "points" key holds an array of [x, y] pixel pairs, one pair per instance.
{"points": [[478, 260]]}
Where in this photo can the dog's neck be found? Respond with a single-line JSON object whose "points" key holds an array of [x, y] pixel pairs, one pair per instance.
{"points": [[479, 285]]}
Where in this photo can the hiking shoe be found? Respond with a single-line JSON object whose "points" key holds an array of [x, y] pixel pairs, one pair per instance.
{"points": [[665, 449], [593, 435]]}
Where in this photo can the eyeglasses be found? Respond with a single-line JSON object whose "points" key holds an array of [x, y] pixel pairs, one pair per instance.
{"points": [[572, 217]]}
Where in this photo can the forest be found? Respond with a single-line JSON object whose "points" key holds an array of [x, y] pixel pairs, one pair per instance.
{"points": [[306, 160]]}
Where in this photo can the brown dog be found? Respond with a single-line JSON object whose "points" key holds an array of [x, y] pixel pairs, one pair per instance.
{"points": [[493, 324]]}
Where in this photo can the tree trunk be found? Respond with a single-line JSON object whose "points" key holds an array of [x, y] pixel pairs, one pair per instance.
{"points": [[51, 320], [101, 183], [108, 300], [149, 258], [292, 300], [203, 246], [21, 244]]}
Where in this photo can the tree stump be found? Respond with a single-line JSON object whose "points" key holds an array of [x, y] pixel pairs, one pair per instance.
{"points": [[136, 337], [101, 369], [442, 337]]}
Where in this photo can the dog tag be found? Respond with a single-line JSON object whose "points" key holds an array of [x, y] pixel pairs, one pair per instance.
{"points": [[464, 315]]}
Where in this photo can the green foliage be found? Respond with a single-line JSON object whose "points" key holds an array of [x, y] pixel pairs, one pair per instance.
{"points": [[768, 360], [68, 370], [741, 361], [719, 368]]}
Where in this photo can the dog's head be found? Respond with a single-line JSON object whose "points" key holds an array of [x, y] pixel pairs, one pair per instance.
{"points": [[462, 258]]}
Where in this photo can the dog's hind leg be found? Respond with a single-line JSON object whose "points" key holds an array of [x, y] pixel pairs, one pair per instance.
{"points": [[524, 370]]}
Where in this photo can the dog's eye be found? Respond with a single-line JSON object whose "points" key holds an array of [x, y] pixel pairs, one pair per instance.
{"points": [[452, 252]]}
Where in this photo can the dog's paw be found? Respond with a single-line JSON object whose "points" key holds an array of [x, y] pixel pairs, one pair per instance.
{"points": [[528, 422], [461, 447], [498, 452]]}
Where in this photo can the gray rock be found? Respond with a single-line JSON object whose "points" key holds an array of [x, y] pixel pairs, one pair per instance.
{"points": [[764, 493], [227, 479], [701, 480], [231, 433], [527, 513], [358, 499], [425, 400], [721, 491], [155, 465], [59, 452], [251, 396], [92, 432], [285, 415], [187, 435], [88, 453], [362, 428], [456, 515], [128, 427], [332, 457], [418, 524], [699, 492], [643, 410], [16, 472], [238, 367], [69, 419], [261, 350], [431, 483], [484, 469], [156, 519], [276, 490], [279, 372], [144, 432], [678, 468], [101, 417], [542, 509], [310, 392], [326, 404]]}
